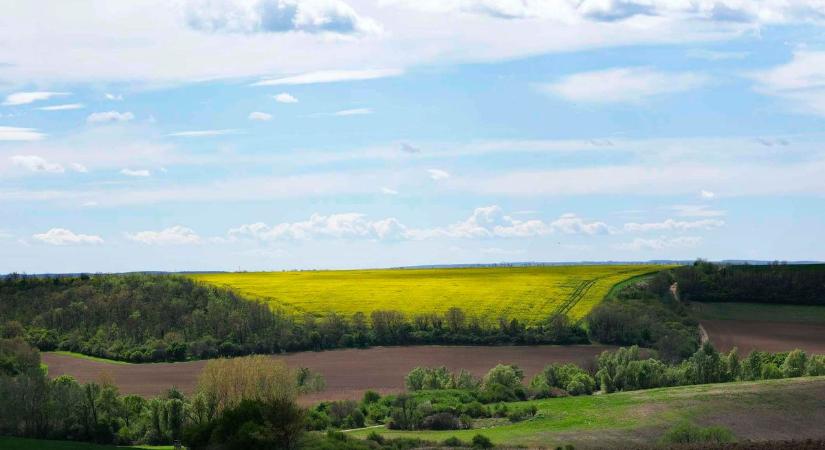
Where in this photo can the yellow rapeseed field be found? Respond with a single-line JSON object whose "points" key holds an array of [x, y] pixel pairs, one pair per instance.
{"points": [[529, 294]]}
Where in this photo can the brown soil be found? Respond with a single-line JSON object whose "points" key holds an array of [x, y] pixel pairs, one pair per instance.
{"points": [[749, 335], [348, 373]]}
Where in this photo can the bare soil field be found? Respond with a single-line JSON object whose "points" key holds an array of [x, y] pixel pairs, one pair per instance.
{"points": [[748, 335], [348, 373]]}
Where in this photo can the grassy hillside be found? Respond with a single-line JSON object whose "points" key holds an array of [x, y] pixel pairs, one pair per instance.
{"points": [[776, 409], [526, 293]]}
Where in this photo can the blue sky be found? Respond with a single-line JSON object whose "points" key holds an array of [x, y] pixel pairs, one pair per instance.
{"points": [[281, 134]]}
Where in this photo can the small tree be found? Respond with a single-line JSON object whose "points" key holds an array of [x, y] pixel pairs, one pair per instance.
{"points": [[794, 364]]}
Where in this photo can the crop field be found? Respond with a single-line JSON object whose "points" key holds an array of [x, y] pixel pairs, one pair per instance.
{"points": [[777, 410], [528, 294]]}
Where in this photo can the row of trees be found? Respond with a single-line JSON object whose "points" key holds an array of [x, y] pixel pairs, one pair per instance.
{"points": [[147, 318], [799, 284]]}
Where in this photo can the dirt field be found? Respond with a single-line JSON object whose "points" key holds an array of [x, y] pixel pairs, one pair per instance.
{"points": [[348, 373], [748, 335]]}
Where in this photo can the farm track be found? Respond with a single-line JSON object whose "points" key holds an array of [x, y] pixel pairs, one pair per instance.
{"points": [[574, 298]]}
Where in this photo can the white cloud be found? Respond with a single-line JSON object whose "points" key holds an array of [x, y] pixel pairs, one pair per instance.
{"points": [[113, 97], [24, 98], [389, 191], [20, 134], [262, 116], [353, 112], [62, 236], [661, 243], [619, 85], [696, 211], [203, 133], [64, 107], [35, 163], [340, 226], [110, 116], [77, 167], [707, 194], [799, 82], [284, 97], [135, 173], [330, 76], [670, 225], [438, 174], [715, 55], [175, 235], [277, 16], [569, 223]]}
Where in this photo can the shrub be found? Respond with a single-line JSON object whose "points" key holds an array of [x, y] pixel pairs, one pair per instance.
{"points": [[771, 372], [441, 421], [454, 442], [523, 413], [371, 397], [476, 410], [794, 364], [375, 437], [686, 433], [816, 365], [481, 441]]}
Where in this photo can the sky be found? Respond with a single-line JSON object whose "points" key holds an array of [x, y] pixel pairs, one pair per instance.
{"points": [[311, 134]]}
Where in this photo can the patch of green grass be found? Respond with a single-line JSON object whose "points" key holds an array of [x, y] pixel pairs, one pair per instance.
{"points": [[90, 358], [625, 415], [13, 443], [760, 312]]}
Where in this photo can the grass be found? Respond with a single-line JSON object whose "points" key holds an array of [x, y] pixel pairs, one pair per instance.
{"points": [[639, 416], [759, 312], [525, 293], [13, 443], [90, 358]]}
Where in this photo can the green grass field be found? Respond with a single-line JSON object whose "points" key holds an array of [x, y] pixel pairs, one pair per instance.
{"points": [[12, 443], [90, 358], [526, 293], [759, 311], [641, 417]]}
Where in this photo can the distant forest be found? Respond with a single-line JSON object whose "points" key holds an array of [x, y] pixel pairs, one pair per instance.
{"points": [[144, 317], [797, 284]]}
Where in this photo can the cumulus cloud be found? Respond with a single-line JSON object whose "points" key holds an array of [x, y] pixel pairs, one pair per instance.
{"points": [[261, 116], [696, 211], [135, 172], [24, 98], [77, 167], [330, 76], [110, 116], [707, 195], [438, 174], [62, 236], [35, 163], [620, 85], [284, 97], [341, 226], [175, 235], [671, 224], [113, 97], [661, 243], [20, 134], [277, 16], [389, 191], [64, 107]]}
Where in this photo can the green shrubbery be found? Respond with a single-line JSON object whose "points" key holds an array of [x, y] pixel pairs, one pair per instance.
{"points": [[686, 433]]}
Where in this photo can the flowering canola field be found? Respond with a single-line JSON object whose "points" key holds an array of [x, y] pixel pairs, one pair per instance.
{"points": [[529, 294]]}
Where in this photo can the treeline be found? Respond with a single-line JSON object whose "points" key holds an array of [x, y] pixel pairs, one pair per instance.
{"points": [[645, 313], [148, 318], [802, 284], [242, 403], [439, 399]]}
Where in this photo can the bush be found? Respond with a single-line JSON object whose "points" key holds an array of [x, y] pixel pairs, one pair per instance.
{"points": [[481, 441], [454, 442], [686, 433], [794, 364], [441, 421], [476, 410], [375, 437], [771, 372], [523, 413]]}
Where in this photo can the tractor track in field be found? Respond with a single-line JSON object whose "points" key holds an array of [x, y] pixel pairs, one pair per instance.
{"points": [[574, 298]]}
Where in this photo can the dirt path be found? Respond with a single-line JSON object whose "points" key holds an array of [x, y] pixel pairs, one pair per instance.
{"points": [[348, 373], [749, 335]]}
